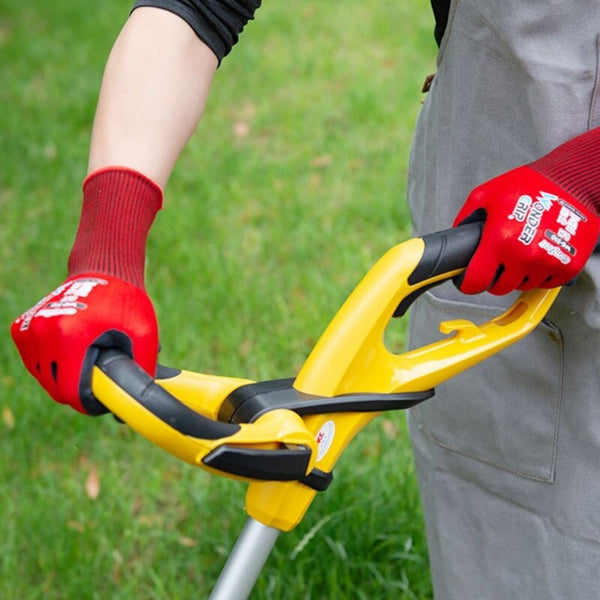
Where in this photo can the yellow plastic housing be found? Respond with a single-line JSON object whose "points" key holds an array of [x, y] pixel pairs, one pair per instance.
{"points": [[351, 356]]}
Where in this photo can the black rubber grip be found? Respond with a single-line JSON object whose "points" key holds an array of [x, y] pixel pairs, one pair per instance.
{"points": [[445, 251], [141, 387]]}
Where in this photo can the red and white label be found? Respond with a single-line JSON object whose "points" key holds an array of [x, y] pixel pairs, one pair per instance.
{"points": [[325, 438]]}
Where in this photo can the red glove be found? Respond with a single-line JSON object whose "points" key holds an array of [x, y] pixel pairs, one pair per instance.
{"points": [[541, 221], [103, 302], [59, 338]]}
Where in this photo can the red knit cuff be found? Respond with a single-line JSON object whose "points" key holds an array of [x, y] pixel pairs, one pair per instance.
{"points": [[575, 167], [119, 207]]}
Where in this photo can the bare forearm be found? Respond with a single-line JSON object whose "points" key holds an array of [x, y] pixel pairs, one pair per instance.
{"points": [[153, 94]]}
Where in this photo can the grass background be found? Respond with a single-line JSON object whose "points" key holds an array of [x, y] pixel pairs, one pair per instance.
{"points": [[291, 189]]}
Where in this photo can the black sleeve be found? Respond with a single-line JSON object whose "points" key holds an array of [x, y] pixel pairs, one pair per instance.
{"points": [[217, 23], [441, 8]]}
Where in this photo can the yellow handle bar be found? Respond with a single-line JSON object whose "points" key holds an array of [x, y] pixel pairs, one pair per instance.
{"points": [[284, 437]]}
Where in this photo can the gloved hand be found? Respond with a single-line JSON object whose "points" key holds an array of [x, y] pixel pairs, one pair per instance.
{"points": [[60, 337], [103, 302], [541, 221]]}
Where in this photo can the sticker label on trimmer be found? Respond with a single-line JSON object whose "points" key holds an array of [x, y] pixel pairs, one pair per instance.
{"points": [[325, 438]]}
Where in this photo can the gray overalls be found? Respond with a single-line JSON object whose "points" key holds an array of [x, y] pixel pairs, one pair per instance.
{"points": [[508, 454]]}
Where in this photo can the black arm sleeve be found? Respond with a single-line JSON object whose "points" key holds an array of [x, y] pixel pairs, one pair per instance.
{"points": [[441, 8], [217, 23]]}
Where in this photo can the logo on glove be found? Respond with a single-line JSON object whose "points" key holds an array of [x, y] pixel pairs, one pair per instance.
{"points": [[531, 214], [63, 301]]}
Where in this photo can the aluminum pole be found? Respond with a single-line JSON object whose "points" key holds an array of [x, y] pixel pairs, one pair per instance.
{"points": [[245, 562]]}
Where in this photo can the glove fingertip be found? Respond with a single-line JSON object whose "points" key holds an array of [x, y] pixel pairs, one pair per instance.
{"points": [[479, 275], [471, 285]]}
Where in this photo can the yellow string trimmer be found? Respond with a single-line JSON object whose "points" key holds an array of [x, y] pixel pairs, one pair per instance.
{"points": [[285, 436]]}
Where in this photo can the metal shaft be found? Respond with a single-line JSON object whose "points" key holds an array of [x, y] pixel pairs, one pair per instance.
{"points": [[245, 562]]}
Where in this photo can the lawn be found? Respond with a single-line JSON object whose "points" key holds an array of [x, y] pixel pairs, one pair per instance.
{"points": [[289, 191]]}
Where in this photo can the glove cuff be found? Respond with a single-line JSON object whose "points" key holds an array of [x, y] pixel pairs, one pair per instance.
{"points": [[574, 167], [119, 207]]}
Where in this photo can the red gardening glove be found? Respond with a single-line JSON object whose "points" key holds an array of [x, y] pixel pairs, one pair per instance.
{"points": [[60, 337], [541, 221], [103, 302]]}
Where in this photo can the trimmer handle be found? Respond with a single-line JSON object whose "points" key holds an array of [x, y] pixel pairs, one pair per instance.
{"points": [[136, 383], [445, 252], [351, 355], [275, 431], [277, 447]]}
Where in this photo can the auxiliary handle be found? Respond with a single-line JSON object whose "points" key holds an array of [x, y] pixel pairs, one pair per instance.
{"points": [[285, 436]]}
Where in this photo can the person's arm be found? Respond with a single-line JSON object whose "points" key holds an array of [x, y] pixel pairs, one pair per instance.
{"points": [[153, 93], [157, 79], [152, 96]]}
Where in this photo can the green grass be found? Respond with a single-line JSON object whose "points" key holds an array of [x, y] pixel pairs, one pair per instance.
{"points": [[291, 189]]}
